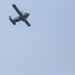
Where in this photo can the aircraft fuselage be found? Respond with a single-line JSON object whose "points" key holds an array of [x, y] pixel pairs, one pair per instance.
{"points": [[21, 17]]}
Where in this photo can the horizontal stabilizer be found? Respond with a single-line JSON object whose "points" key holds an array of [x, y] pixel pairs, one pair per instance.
{"points": [[11, 20]]}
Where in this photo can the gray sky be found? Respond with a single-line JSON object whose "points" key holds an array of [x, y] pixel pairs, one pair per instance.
{"points": [[45, 48]]}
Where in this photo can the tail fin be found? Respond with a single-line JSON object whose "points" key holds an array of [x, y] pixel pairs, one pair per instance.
{"points": [[12, 20]]}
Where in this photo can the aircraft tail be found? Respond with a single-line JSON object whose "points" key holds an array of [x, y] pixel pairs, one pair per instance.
{"points": [[12, 20]]}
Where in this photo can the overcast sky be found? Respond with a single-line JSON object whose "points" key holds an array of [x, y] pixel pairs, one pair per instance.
{"points": [[45, 48]]}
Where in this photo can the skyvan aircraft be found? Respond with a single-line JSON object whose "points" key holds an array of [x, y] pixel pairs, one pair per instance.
{"points": [[22, 16]]}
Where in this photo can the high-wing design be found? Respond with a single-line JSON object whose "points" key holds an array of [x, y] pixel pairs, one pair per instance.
{"points": [[26, 22], [21, 17], [17, 10]]}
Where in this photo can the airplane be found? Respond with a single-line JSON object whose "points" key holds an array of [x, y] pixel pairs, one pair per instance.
{"points": [[22, 16]]}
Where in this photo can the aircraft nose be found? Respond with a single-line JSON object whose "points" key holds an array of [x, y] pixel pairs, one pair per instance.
{"points": [[28, 14]]}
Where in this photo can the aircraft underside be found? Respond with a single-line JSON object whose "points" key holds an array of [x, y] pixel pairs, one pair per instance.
{"points": [[21, 17]]}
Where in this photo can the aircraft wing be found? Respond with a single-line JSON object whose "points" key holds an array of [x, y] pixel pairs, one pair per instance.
{"points": [[17, 10], [27, 22]]}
